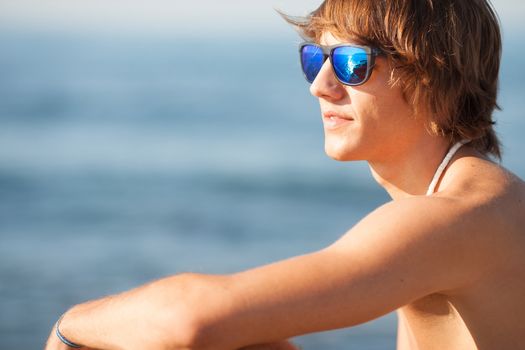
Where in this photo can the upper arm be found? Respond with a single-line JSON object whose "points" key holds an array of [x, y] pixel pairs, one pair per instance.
{"points": [[395, 255]]}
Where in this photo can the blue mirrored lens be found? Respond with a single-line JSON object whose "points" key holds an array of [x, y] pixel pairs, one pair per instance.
{"points": [[350, 64], [312, 59]]}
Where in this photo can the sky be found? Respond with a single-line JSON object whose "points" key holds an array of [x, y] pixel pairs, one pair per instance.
{"points": [[169, 17], [156, 17]]}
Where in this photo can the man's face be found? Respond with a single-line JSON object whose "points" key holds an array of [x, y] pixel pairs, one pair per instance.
{"points": [[367, 122]]}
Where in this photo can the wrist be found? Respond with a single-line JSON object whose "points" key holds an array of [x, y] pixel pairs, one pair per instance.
{"points": [[59, 333]]}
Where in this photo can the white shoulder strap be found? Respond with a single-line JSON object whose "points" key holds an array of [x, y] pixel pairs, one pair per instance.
{"points": [[443, 165]]}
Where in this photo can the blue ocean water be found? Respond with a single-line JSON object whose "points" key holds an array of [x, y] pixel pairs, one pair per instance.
{"points": [[127, 159]]}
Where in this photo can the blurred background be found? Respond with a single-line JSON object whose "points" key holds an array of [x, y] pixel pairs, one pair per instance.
{"points": [[140, 139]]}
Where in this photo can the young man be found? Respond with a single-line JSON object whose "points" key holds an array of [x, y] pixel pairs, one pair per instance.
{"points": [[410, 87]]}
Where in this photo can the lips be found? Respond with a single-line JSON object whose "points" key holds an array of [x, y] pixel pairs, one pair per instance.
{"points": [[333, 120]]}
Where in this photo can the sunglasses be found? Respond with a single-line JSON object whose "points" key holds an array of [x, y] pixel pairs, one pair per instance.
{"points": [[352, 64]]}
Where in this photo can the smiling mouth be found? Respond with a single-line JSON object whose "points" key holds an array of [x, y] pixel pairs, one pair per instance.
{"points": [[333, 121]]}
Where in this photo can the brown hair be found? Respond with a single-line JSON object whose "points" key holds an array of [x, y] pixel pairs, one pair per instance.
{"points": [[444, 53]]}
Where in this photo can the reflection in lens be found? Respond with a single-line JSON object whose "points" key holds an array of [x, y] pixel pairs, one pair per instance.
{"points": [[350, 64], [312, 59]]}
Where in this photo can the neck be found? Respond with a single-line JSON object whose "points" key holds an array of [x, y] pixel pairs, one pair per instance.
{"points": [[409, 171]]}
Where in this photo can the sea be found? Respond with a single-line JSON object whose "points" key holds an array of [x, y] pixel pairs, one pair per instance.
{"points": [[126, 159]]}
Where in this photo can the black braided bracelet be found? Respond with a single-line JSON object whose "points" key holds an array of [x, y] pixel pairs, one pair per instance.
{"points": [[62, 338]]}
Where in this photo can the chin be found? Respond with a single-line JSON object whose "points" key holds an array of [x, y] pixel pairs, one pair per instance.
{"points": [[342, 146], [341, 154]]}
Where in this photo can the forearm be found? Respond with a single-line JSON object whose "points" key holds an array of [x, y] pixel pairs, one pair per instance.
{"points": [[161, 314]]}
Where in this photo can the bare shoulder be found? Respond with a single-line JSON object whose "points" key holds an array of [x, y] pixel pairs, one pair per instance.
{"points": [[480, 213], [492, 197]]}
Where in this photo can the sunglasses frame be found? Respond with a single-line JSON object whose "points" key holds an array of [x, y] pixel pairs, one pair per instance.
{"points": [[328, 52]]}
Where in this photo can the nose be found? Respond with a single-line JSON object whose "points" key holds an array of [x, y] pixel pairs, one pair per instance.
{"points": [[326, 84]]}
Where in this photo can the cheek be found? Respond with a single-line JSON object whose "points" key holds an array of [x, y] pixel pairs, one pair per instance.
{"points": [[382, 120], [368, 110], [379, 98], [381, 106]]}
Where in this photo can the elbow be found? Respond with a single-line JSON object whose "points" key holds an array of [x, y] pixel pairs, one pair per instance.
{"points": [[186, 331], [192, 312], [179, 328]]}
